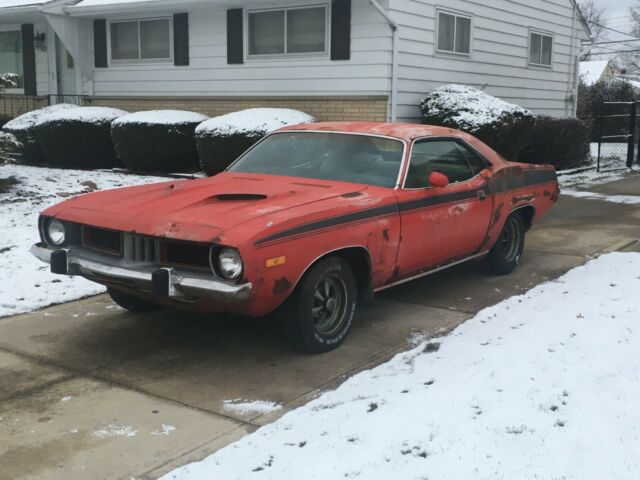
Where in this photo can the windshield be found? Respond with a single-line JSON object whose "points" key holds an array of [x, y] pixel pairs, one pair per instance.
{"points": [[326, 156]]}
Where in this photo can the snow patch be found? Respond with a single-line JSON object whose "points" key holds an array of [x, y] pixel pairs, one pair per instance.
{"points": [[161, 117], [116, 430], [164, 430], [253, 120], [243, 406], [542, 385], [626, 199]]}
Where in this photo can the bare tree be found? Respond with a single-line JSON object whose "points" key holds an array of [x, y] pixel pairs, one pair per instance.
{"points": [[631, 59], [594, 16]]}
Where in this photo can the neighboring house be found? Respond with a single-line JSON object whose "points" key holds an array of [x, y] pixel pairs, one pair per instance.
{"points": [[335, 59], [595, 71]]}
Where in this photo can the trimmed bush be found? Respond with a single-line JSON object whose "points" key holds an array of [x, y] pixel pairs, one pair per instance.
{"points": [[9, 146], [22, 128], [78, 137], [157, 140], [221, 140], [561, 142], [505, 127]]}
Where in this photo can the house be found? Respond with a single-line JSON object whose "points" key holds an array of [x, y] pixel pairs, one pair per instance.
{"points": [[594, 71], [335, 59]]}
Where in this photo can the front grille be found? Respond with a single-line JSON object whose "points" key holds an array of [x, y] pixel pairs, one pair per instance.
{"points": [[103, 240], [188, 254], [139, 249]]}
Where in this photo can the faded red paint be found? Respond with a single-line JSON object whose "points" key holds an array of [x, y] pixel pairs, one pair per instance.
{"points": [[400, 243]]}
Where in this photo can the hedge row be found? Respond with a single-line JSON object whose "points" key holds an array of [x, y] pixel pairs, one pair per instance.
{"points": [[512, 131], [153, 141]]}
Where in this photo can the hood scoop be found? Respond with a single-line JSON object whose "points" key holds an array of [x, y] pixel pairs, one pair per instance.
{"points": [[238, 197]]}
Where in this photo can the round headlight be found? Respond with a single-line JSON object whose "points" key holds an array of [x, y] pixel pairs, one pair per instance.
{"points": [[230, 263], [56, 232]]}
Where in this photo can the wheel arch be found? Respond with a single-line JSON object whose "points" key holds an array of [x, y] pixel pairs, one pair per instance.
{"points": [[528, 213], [359, 259]]}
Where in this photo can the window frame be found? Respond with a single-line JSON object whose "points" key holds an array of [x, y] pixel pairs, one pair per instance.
{"points": [[14, 28], [461, 142], [288, 56], [129, 61], [542, 34], [456, 15]]}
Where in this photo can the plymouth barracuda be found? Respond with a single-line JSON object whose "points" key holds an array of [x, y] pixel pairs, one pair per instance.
{"points": [[307, 223]]}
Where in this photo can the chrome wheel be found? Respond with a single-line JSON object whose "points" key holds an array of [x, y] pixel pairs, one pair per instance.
{"points": [[510, 239], [329, 304]]}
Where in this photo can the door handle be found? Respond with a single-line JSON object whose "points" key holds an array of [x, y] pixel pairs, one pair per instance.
{"points": [[482, 194]]}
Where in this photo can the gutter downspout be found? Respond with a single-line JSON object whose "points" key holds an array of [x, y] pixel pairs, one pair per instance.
{"points": [[573, 93], [393, 95]]}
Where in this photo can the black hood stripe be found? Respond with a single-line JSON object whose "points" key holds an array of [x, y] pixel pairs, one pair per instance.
{"points": [[499, 185]]}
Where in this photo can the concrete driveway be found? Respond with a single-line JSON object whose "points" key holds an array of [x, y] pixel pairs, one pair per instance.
{"points": [[90, 391]]}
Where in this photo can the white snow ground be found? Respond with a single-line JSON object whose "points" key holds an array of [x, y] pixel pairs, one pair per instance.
{"points": [[544, 385], [25, 282]]}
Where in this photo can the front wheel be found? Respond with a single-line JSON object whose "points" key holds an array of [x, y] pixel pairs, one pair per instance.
{"points": [[319, 313], [505, 255], [130, 302]]}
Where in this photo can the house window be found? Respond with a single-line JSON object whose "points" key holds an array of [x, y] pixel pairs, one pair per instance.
{"points": [[141, 40], [454, 33], [288, 31], [11, 59], [540, 49]]}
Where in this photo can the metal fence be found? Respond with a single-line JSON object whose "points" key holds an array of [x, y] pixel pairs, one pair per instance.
{"points": [[618, 136], [13, 104]]}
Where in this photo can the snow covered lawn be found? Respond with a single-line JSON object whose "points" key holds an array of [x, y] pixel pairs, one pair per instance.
{"points": [[545, 385], [26, 282]]}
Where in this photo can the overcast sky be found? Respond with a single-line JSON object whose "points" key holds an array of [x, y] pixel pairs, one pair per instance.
{"points": [[617, 12]]}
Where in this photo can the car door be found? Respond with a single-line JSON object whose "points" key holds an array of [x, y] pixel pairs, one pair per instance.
{"points": [[440, 225]]}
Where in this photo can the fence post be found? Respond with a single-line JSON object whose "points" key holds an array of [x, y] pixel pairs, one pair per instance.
{"points": [[601, 114], [638, 153], [631, 146]]}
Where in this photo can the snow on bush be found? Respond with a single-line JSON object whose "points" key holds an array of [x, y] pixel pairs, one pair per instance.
{"points": [[9, 80], [22, 128], [503, 126], [78, 137], [157, 140], [468, 108], [9, 145], [222, 139]]}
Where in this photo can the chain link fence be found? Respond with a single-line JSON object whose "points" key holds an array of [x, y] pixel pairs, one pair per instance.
{"points": [[618, 136]]}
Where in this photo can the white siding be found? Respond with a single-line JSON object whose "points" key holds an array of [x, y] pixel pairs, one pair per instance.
{"points": [[366, 73], [499, 53], [42, 63]]}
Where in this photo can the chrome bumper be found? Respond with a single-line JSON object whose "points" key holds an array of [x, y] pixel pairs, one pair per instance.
{"points": [[166, 282]]}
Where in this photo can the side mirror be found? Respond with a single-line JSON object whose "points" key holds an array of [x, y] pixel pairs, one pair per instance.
{"points": [[438, 180]]}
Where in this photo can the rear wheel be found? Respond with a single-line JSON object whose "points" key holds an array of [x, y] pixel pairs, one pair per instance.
{"points": [[319, 313], [131, 302], [505, 255]]}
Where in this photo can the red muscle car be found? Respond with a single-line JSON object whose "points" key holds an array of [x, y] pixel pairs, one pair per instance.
{"points": [[308, 222]]}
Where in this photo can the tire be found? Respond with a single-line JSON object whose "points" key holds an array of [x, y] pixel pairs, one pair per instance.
{"points": [[318, 315], [506, 253], [132, 303]]}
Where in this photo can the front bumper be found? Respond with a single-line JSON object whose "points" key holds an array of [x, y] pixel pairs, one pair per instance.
{"points": [[164, 282]]}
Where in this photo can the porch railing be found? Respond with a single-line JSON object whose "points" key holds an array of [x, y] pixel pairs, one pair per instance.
{"points": [[15, 104]]}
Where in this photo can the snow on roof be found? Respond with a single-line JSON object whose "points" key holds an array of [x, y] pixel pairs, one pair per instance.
{"points": [[162, 117], [469, 107], [21, 3], [84, 114], [591, 72], [29, 119], [263, 120]]}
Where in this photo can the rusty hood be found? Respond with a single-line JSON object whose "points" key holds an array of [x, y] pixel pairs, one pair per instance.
{"points": [[196, 210]]}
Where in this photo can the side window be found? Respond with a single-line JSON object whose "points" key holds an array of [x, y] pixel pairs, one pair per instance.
{"points": [[475, 161], [444, 156]]}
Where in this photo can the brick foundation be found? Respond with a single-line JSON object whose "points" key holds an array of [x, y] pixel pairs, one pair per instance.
{"points": [[323, 108]]}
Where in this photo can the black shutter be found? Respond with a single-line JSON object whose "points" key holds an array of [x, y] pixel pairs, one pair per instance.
{"points": [[181, 39], [100, 43], [28, 60], [235, 41], [340, 29]]}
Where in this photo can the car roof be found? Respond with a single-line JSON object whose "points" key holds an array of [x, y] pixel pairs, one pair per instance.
{"points": [[401, 131]]}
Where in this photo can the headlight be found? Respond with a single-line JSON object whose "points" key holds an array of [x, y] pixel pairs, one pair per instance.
{"points": [[230, 263], [56, 233]]}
